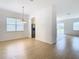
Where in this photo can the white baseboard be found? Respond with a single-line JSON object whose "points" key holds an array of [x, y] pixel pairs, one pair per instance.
{"points": [[47, 42], [15, 39]]}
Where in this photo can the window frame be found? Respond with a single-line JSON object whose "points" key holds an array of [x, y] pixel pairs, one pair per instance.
{"points": [[74, 28], [15, 25]]}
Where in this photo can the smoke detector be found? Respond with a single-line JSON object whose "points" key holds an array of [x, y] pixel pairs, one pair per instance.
{"points": [[31, 0], [68, 13]]}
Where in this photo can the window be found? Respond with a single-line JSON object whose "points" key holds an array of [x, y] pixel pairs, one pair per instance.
{"points": [[76, 26], [14, 24], [60, 27]]}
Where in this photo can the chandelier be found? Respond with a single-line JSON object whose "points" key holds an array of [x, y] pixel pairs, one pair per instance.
{"points": [[23, 19]]}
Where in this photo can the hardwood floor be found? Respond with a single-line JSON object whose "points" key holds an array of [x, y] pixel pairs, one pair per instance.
{"points": [[66, 48]]}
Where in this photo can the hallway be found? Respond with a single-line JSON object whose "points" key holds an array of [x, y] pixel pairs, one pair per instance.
{"points": [[66, 48]]}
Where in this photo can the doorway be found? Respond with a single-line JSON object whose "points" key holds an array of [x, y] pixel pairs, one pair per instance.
{"points": [[33, 27], [60, 30], [33, 30]]}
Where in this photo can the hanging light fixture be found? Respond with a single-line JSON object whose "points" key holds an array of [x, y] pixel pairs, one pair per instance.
{"points": [[23, 19]]}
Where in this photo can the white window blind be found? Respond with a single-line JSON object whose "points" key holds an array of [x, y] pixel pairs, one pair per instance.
{"points": [[14, 24]]}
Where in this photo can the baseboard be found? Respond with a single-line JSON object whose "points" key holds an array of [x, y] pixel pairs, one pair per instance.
{"points": [[52, 43], [15, 39], [73, 35]]}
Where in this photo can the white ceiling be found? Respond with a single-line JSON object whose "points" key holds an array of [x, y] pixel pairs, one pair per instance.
{"points": [[65, 8], [29, 6]]}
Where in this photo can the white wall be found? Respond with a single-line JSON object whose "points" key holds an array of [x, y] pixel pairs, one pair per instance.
{"points": [[29, 27], [4, 35], [46, 24], [68, 24]]}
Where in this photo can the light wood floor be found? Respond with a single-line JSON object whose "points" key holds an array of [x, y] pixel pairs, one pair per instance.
{"points": [[66, 48]]}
